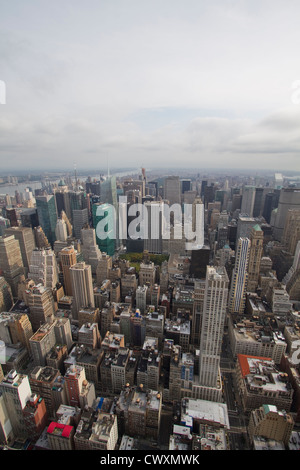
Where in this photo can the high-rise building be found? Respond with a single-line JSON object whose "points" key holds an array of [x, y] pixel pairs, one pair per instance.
{"points": [[175, 370], [82, 286], [291, 232], [104, 223], [149, 365], [248, 200], [260, 382], [77, 386], [41, 342], [41, 306], [237, 296], [90, 250], [4, 224], [141, 298], [80, 219], [16, 328], [62, 201], [89, 335], [139, 411], [88, 315], [199, 290], [270, 203], [289, 199], [255, 255], [41, 240], [42, 382], [16, 391], [69, 227], [61, 230], [199, 260], [6, 298], [67, 257], [63, 332], [212, 328], [29, 217], [96, 431], [61, 436], [186, 185], [11, 262], [26, 240], [43, 267], [47, 215], [155, 226], [269, 422], [35, 416], [244, 226], [172, 190], [155, 327], [259, 201], [103, 268], [12, 217], [147, 273]]}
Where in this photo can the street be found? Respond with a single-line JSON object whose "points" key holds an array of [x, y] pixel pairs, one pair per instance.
{"points": [[238, 421]]}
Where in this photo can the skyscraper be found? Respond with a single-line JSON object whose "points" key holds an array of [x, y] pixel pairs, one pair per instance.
{"points": [[47, 214], [155, 226], [212, 328], [255, 254], [108, 191], [237, 296], [104, 223], [15, 389], [80, 219], [172, 190], [41, 306], [270, 203], [291, 232], [26, 241], [67, 258], [289, 199], [90, 250], [248, 200], [61, 230], [43, 267], [82, 286], [6, 298], [11, 262]]}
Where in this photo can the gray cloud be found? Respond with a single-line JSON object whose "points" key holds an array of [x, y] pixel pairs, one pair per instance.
{"points": [[149, 80]]}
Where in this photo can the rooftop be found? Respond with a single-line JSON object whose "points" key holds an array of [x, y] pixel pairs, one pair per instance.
{"points": [[59, 429], [205, 411]]}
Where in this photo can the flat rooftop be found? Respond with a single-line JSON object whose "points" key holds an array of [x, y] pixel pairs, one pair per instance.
{"points": [[205, 411]]}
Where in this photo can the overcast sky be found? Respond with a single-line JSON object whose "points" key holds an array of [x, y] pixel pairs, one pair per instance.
{"points": [[150, 83]]}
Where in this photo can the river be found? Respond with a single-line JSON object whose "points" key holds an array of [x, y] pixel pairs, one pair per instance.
{"points": [[20, 187]]}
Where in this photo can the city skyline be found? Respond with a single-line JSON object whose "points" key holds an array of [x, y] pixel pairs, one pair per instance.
{"points": [[208, 85], [143, 346]]}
